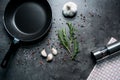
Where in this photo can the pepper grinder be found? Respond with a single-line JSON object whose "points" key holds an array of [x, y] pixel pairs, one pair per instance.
{"points": [[105, 51]]}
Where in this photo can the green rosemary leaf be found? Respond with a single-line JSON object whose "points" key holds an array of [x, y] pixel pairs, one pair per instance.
{"points": [[76, 49], [71, 31], [63, 39]]}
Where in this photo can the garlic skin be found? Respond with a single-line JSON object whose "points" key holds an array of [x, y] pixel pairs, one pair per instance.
{"points": [[69, 9], [43, 53], [54, 51], [49, 57]]}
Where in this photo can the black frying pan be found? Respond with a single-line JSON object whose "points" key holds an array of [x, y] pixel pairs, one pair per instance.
{"points": [[26, 21]]}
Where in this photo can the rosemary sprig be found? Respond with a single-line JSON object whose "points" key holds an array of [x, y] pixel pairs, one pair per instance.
{"points": [[63, 39], [70, 43]]}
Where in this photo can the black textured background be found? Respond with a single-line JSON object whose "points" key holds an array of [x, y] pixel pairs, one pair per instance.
{"points": [[96, 21]]}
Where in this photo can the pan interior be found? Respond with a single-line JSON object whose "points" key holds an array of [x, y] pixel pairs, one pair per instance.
{"points": [[29, 18]]}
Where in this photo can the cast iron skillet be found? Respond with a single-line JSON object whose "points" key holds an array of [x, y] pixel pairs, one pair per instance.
{"points": [[26, 21]]}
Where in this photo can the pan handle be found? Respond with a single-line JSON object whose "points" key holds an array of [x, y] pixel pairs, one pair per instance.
{"points": [[13, 47]]}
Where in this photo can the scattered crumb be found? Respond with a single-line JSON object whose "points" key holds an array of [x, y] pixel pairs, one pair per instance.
{"points": [[41, 62], [82, 26], [81, 15], [91, 14]]}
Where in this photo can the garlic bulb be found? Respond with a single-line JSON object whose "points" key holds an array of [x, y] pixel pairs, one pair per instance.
{"points": [[49, 57], [43, 53], [54, 51], [69, 9]]}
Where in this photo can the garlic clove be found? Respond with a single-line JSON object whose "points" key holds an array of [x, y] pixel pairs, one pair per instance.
{"points": [[43, 53], [54, 51], [49, 57]]}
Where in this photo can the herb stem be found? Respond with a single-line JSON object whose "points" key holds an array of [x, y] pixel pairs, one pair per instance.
{"points": [[69, 50]]}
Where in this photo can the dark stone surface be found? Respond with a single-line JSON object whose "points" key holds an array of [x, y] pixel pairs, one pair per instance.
{"points": [[96, 21]]}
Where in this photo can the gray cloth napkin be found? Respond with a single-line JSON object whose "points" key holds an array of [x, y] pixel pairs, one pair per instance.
{"points": [[107, 69]]}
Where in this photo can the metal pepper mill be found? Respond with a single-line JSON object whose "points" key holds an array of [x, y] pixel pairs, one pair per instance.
{"points": [[105, 51]]}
